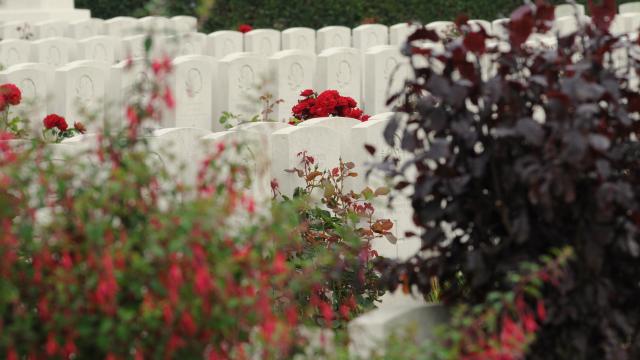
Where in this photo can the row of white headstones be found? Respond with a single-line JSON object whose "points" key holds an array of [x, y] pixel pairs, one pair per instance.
{"points": [[270, 148], [204, 87]]}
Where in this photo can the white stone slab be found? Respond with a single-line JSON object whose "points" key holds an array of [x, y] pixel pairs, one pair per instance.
{"points": [[36, 4], [33, 11], [55, 52], [80, 89], [414, 323], [500, 28], [16, 30], [179, 151], [341, 125], [121, 26], [99, 48], [134, 47], [191, 83], [240, 76], [340, 69], [443, 28], [265, 42], [571, 10], [300, 38], [369, 35], [128, 84], [632, 7], [322, 143], [14, 52], [223, 43], [31, 79], [50, 28], [246, 148], [156, 24], [185, 24], [333, 36], [86, 28], [293, 71], [477, 24], [192, 43], [385, 72], [399, 33]]}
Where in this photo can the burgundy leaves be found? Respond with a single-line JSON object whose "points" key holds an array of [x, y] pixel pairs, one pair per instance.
{"points": [[527, 19], [602, 15]]}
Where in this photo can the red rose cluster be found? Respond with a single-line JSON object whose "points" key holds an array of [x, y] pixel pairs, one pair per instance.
{"points": [[9, 95], [55, 121], [328, 103], [244, 28]]}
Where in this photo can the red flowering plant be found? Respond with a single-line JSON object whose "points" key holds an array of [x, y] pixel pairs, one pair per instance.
{"points": [[337, 234], [10, 95], [328, 103], [244, 28], [112, 259], [56, 128]]}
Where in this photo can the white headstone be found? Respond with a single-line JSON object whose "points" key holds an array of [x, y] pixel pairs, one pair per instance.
{"points": [[369, 35], [247, 148], [340, 69], [156, 24], [191, 83], [192, 43], [223, 43], [14, 52], [185, 24], [265, 42], [322, 143], [85, 28], [477, 24], [54, 51], [399, 33], [128, 84], [632, 7], [134, 46], [371, 133], [31, 79], [299, 38], [333, 36], [385, 72], [500, 28], [50, 28], [121, 26], [80, 89], [293, 71], [16, 30], [239, 77], [98, 48], [180, 152], [33, 11], [443, 28], [341, 125], [570, 10]]}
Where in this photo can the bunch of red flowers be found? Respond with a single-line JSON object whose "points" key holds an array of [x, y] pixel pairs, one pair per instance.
{"points": [[57, 126], [9, 95], [328, 103]]}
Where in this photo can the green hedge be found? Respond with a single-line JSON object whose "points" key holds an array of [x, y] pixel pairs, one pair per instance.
{"points": [[281, 14]]}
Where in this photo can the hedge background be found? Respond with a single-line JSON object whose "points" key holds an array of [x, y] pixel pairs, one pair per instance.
{"points": [[280, 14]]}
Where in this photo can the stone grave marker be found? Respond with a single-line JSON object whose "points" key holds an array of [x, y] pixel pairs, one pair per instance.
{"points": [[191, 83], [300, 38], [265, 42], [369, 35], [14, 51], [99, 48], [293, 71], [55, 52], [340, 69], [322, 143], [80, 90], [385, 71], [223, 43], [84, 29], [31, 79], [332, 36]]}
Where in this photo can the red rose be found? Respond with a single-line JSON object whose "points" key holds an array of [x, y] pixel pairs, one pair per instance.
{"points": [[55, 121], [364, 118], [245, 28], [11, 94], [307, 93]]}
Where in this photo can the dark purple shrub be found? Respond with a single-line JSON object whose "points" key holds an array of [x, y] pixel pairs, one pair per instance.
{"points": [[537, 152]]}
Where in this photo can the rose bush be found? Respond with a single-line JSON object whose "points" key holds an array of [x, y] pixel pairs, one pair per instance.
{"points": [[56, 128], [10, 95], [327, 103]]}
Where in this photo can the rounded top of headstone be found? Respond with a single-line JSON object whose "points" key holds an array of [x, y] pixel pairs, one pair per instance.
{"points": [[36, 4]]}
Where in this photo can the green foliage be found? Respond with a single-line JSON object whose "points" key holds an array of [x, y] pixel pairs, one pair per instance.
{"points": [[280, 14]]}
